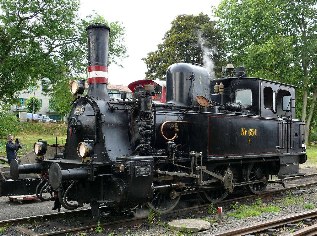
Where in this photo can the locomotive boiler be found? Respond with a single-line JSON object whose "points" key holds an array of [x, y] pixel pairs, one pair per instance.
{"points": [[209, 137]]}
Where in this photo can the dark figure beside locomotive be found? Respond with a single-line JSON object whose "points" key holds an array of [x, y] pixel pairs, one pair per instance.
{"points": [[211, 136], [12, 148]]}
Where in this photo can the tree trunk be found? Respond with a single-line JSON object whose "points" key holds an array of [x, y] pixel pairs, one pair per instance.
{"points": [[304, 108], [310, 116]]}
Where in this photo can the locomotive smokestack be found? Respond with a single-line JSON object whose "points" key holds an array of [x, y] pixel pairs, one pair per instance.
{"points": [[98, 38]]}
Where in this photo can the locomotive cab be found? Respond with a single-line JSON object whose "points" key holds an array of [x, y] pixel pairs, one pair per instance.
{"points": [[255, 96]]}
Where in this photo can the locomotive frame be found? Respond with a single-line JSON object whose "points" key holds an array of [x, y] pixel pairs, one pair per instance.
{"points": [[210, 137]]}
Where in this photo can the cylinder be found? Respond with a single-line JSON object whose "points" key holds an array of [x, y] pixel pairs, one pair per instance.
{"points": [[98, 38]]}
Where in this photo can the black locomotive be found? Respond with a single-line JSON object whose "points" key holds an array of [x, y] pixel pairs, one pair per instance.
{"points": [[211, 136]]}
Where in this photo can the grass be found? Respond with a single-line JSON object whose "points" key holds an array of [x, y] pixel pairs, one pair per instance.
{"points": [[153, 217], [292, 200], [243, 211], [311, 155], [99, 229], [309, 206], [2, 230], [29, 133]]}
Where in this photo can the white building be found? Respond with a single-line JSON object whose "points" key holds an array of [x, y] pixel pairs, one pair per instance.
{"points": [[115, 91], [23, 96]]}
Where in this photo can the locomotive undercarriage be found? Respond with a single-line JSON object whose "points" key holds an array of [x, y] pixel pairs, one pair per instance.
{"points": [[123, 184], [213, 181]]}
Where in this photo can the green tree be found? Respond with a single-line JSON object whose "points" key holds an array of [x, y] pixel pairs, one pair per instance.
{"points": [[33, 105], [45, 39], [37, 40], [9, 124], [191, 39], [275, 40], [61, 98]]}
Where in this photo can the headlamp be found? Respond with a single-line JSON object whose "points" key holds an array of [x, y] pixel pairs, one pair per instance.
{"points": [[84, 149], [40, 148], [77, 87]]}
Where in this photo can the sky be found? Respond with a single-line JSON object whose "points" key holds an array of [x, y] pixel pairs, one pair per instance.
{"points": [[145, 22]]}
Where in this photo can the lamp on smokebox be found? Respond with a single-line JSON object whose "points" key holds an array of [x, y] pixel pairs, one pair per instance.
{"points": [[77, 87], [84, 149], [40, 147]]}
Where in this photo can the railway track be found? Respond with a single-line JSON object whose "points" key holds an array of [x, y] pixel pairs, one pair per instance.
{"points": [[285, 221], [23, 224], [303, 181], [87, 227]]}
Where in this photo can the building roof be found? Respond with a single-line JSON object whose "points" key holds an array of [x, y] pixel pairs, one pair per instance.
{"points": [[121, 88]]}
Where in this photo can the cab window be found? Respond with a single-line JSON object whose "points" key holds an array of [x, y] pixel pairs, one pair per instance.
{"points": [[269, 99], [287, 100], [244, 97], [284, 101]]}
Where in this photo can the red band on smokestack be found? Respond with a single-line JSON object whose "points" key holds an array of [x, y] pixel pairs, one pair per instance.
{"points": [[97, 68], [97, 74], [98, 80]]}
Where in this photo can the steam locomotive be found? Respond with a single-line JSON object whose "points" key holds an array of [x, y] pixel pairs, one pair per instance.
{"points": [[209, 137]]}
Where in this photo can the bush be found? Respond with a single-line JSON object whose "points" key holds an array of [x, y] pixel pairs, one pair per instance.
{"points": [[8, 124], [39, 128], [313, 137]]}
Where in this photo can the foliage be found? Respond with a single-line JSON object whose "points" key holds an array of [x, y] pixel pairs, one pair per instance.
{"points": [[153, 217], [211, 209], [33, 105], [37, 39], [28, 128], [309, 206], [46, 41], [311, 155], [275, 40], [292, 200], [191, 39], [313, 134], [99, 228], [255, 209], [9, 124], [61, 98], [2, 230]]}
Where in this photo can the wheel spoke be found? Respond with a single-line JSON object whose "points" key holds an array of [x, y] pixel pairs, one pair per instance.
{"points": [[256, 173], [163, 202], [216, 195], [217, 192]]}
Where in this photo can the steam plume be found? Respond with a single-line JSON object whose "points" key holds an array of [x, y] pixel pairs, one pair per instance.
{"points": [[207, 53]]}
